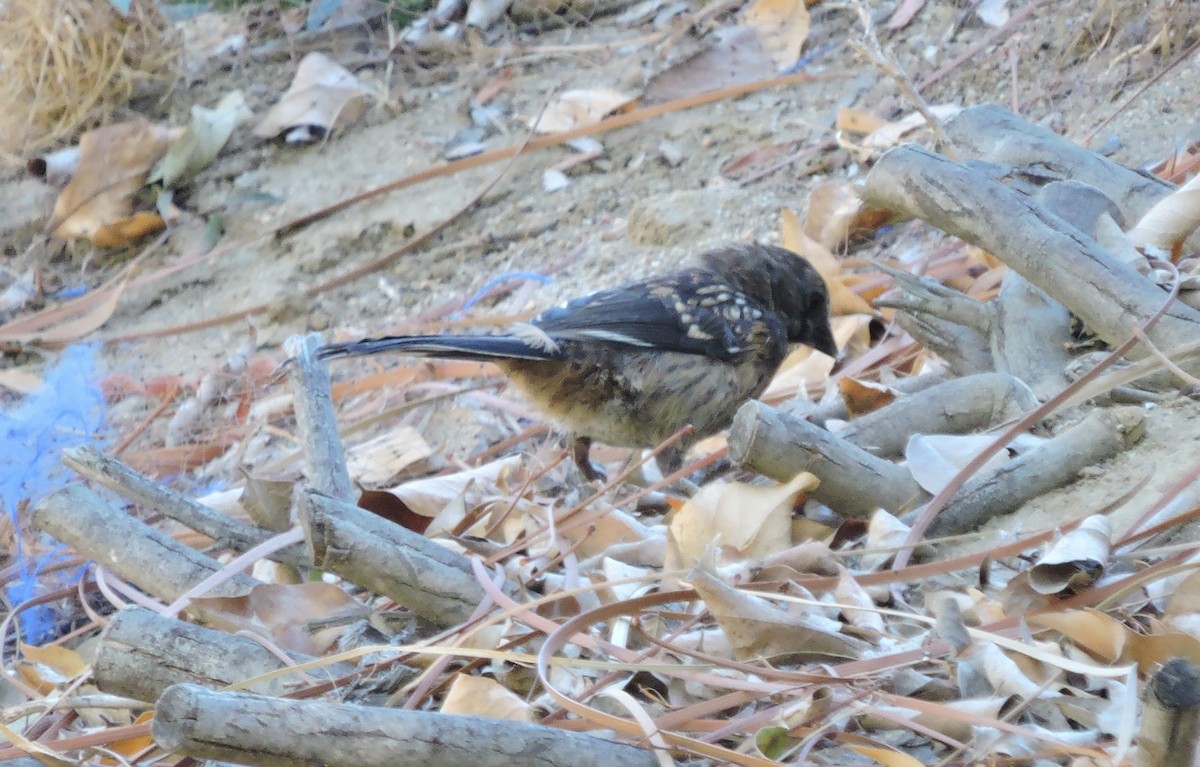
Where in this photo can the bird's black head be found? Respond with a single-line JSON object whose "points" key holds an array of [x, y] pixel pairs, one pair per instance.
{"points": [[783, 281]]}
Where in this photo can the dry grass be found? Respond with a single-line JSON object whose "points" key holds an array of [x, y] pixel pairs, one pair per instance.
{"points": [[69, 64]]}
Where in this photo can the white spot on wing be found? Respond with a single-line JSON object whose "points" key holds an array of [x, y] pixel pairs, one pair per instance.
{"points": [[534, 337]]}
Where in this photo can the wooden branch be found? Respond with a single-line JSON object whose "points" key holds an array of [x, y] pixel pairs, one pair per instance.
{"points": [[951, 325], [1055, 463], [995, 134], [140, 654], [961, 406], [853, 482], [1170, 717], [138, 553], [276, 732], [427, 578], [316, 423], [1109, 296], [232, 533]]}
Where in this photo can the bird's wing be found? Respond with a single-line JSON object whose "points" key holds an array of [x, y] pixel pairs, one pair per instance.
{"points": [[687, 313]]}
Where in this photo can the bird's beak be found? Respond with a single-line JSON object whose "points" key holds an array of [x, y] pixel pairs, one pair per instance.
{"points": [[822, 340]]}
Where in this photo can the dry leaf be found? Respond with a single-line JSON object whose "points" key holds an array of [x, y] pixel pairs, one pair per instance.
{"points": [[1171, 221], [849, 592], [577, 108], [49, 667], [891, 134], [324, 95], [126, 231], [113, 163], [855, 120], [203, 140], [752, 520], [430, 495], [862, 397], [375, 461], [20, 381], [1075, 560], [884, 532], [1099, 634], [480, 696], [735, 56], [888, 757], [281, 613], [782, 27], [756, 628], [904, 13], [935, 459], [994, 13]]}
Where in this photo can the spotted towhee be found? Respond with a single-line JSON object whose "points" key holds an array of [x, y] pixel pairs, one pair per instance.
{"points": [[633, 365]]}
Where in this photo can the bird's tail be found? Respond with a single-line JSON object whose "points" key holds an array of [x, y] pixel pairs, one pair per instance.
{"points": [[448, 347]]}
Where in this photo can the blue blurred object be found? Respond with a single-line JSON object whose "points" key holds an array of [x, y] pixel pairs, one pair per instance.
{"points": [[67, 410], [487, 286]]}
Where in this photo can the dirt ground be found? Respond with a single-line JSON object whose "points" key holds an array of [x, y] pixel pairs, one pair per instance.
{"points": [[658, 193]]}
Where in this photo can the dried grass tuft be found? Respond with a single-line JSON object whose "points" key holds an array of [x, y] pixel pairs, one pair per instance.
{"points": [[69, 64]]}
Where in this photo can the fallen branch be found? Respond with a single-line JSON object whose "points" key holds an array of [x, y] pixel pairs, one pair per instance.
{"points": [[853, 482], [962, 406], [995, 134], [140, 654], [272, 731], [1171, 717], [1053, 464], [368, 550], [232, 533], [135, 551], [1108, 295]]}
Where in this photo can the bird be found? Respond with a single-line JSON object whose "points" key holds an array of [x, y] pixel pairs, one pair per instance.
{"points": [[632, 365]]}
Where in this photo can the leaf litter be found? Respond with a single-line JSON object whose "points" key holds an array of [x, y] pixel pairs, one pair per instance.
{"points": [[756, 595]]}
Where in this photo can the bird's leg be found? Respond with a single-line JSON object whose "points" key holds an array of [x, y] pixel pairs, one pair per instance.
{"points": [[581, 448]]}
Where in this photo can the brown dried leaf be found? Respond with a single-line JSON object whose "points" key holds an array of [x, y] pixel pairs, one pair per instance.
{"points": [[736, 56], [113, 163], [1100, 634], [862, 397], [281, 612], [855, 120]]}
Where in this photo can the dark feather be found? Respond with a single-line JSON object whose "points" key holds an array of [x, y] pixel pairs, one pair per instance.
{"points": [[449, 347], [641, 317]]}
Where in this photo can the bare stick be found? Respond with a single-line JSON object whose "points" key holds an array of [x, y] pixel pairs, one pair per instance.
{"points": [[1071, 268], [995, 134], [274, 732], [964, 405], [1055, 463], [324, 459], [853, 482], [147, 558], [429, 579], [1171, 717], [141, 653], [232, 533]]}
